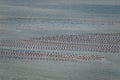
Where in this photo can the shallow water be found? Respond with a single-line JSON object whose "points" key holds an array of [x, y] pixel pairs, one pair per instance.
{"points": [[21, 20]]}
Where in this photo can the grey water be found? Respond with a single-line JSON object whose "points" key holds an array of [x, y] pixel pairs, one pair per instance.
{"points": [[24, 19]]}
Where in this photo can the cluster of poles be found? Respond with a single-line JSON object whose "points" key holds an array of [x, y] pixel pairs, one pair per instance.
{"points": [[98, 38], [39, 55], [92, 42], [38, 48], [30, 44]]}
